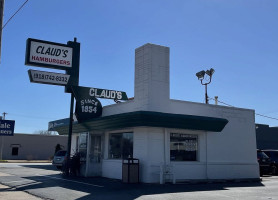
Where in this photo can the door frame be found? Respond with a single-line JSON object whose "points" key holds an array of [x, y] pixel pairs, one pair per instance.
{"points": [[89, 150]]}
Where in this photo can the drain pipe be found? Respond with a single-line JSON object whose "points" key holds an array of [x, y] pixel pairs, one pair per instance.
{"points": [[165, 145], [161, 167], [207, 155]]}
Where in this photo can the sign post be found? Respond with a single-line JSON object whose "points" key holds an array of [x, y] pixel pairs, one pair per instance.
{"points": [[74, 73], [56, 56]]}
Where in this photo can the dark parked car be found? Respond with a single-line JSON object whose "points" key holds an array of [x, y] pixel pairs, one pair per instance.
{"points": [[59, 158], [273, 155], [264, 162]]}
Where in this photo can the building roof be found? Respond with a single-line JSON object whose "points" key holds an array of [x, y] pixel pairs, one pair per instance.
{"points": [[148, 119]]}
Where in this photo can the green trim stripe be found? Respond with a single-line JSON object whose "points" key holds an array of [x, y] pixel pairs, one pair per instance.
{"points": [[149, 119]]}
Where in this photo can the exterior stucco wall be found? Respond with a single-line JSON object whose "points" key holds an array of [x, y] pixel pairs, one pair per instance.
{"points": [[267, 137], [230, 154], [32, 147]]}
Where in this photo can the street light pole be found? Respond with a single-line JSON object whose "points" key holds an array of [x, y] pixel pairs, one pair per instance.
{"points": [[206, 85]]}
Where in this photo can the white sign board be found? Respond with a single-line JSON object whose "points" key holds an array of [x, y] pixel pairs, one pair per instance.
{"points": [[48, 54], [48, 77]]}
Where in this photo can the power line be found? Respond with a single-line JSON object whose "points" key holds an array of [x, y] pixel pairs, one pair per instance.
{"points": [[15, 14], [266, 116], [30, 116], [255, 113]]}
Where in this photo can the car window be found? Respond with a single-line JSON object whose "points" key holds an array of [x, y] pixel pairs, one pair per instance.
{"points": [[272, 154], [269, 154], [60, 153], [275, 154], [261, 154]]}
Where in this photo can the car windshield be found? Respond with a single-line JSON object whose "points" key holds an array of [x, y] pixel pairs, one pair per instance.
{"points": [[272, 154], [61, 153]]}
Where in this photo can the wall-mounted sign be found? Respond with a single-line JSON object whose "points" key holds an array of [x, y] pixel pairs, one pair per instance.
{"points": [[101, 93], [48, 54], [57, 123], [7, 127], [36, 76], [87, 107]]}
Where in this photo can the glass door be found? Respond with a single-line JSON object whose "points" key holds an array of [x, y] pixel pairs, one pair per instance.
{"points": [[95, 156]]}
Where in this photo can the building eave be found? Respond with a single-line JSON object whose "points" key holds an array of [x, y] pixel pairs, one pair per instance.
{"points": [[148, 119]]}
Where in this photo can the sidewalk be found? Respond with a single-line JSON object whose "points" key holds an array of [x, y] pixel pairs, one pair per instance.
{"points": [[26, 161], [7, 193]]}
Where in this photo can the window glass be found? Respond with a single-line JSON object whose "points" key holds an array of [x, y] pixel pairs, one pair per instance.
{"points": [[183, 147], [82, 142], [121, 145], [15, 151], [61, 153]]}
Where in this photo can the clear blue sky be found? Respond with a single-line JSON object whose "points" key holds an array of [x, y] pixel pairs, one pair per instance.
{"points": [[238, 38]]}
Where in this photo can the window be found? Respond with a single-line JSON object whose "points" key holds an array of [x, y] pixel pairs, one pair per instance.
{"points": [[183, 147], [121, 145], [77, 144], [15, 151], [61, 153]]}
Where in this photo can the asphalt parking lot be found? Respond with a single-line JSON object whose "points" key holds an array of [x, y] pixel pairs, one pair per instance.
{"points": [[43, 181]]}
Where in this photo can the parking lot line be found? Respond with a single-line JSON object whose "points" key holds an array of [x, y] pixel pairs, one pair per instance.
{"points": [[70, 180], [15, 181]]}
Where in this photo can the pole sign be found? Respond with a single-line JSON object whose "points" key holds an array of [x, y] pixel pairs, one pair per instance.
{"points": [[101, 93], [48, 54], [87, 106], [36, 76], [7, 127]]}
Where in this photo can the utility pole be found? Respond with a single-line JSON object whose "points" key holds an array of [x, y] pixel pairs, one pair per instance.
{"points": [[1, 22], [2, 138], [4, 115]]}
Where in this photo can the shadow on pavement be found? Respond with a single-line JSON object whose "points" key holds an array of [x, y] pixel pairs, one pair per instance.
{"points": [[45, 167], [104, 188]]}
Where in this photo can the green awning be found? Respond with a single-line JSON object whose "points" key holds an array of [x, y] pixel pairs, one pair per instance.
{"points": [[148, 119]]}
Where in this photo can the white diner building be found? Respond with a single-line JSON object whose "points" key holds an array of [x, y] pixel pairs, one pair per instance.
{"points": [[195, 141]]}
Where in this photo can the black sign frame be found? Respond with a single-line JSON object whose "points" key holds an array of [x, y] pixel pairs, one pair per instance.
{"points": [[51, 66], [48, 83]]}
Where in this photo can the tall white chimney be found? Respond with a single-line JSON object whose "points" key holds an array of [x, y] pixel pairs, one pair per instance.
{"points": [[152, 84]]}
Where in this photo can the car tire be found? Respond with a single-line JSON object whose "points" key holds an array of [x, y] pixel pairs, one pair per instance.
{"points": [[261, 172]]}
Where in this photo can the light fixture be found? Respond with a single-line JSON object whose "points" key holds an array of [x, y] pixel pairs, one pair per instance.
{"points": [[210, 72], [201, 76]]}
